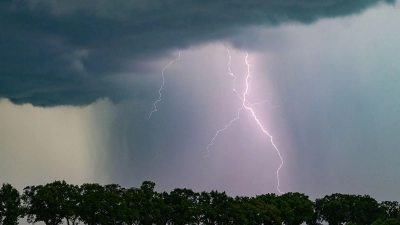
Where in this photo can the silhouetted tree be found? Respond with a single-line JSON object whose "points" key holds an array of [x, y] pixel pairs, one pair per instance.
{"points": [[333, 209], [132, 201], [150, 205], [72, 204], [286, 214], [363, 210], [240, 210], [10, 205], [301, 207], [49, 203], [102, 204], [391, 209], [264, 212], [215, 208], [341, 208], [94, 204], [183, 203]]}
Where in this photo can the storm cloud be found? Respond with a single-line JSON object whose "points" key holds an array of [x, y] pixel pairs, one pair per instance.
{"points": [[74, 52]]}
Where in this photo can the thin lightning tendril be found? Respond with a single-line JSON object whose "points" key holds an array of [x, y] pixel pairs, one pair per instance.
{"points": [[238, 113], [246, 105], [221, 130], [162, 85], [231, 74]]}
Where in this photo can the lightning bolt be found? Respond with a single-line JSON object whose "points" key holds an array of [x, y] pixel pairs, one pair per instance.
{"points": [[162, 85], [247, 106]]}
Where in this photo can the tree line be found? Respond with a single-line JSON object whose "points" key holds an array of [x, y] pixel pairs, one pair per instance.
{"points": [[95, 204]]}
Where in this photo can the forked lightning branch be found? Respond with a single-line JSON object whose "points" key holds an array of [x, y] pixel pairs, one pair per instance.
{"points": [[245, 106]]}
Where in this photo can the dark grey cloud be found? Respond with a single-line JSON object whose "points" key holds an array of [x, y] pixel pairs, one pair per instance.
{"points": [[69, 52]]}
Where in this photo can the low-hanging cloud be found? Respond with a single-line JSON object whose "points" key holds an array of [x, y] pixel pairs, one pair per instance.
{"points": [[66, 52]]}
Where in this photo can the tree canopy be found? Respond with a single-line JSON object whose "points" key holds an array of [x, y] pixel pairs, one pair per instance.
{"points": [[94, 204]]}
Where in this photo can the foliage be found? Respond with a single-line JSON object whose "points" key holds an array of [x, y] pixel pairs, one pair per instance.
{"points": [[390, 221], [95, 204], [10, 205], [102, 204], [343, 208], [391, 209], [46, 203], [301, 208]]}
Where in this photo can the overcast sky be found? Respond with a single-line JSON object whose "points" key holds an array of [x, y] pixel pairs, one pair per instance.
{"points": [[78, 80]]}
